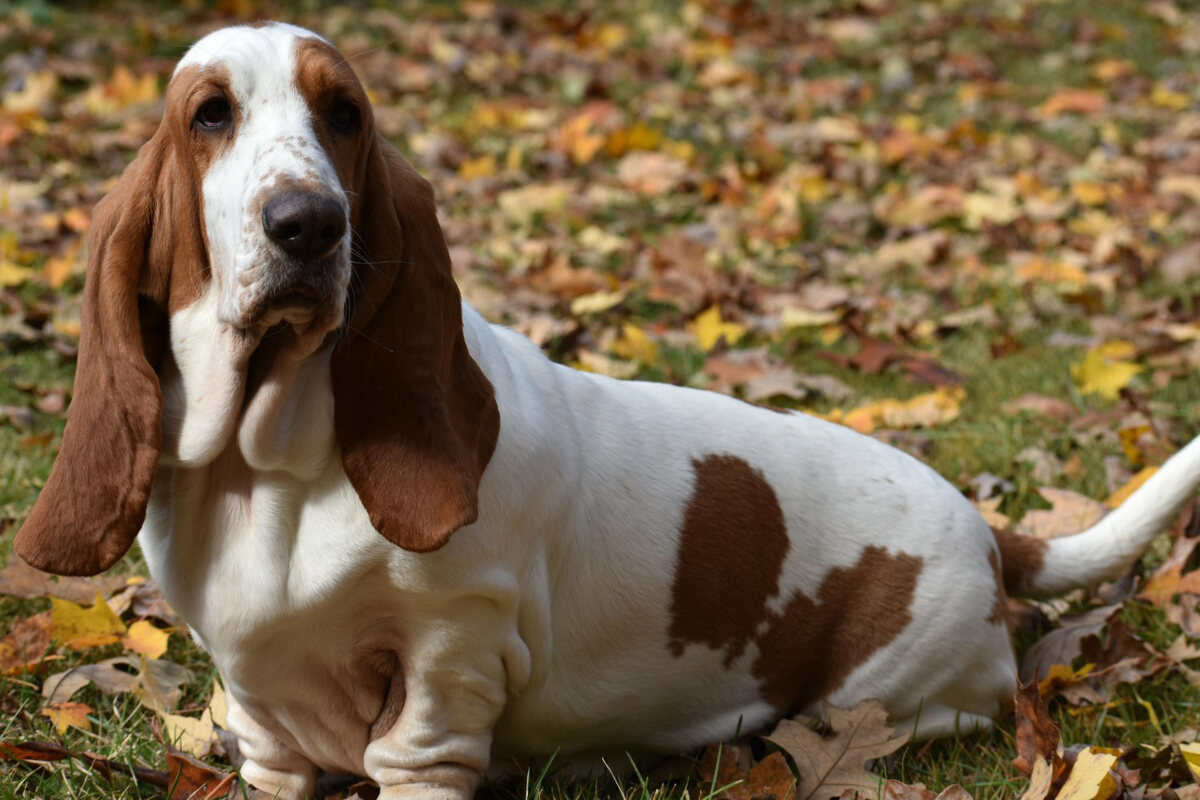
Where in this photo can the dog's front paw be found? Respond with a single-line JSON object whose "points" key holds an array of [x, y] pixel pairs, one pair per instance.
{"points": [[443, 782], [281, 784]]}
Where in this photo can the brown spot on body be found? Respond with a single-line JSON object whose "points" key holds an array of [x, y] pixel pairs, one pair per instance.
{"points": [[731, 554], [1021, 558], [999, 612], [810, 649]]}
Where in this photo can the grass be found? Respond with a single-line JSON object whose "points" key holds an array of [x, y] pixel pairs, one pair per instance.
{"points": [[1033, 50]]}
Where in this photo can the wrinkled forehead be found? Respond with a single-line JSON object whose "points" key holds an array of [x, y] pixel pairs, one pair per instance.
{"points": [[246, 49]]}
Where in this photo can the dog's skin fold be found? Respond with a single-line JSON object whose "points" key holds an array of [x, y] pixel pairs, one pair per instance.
{"points": [[415, 547]]}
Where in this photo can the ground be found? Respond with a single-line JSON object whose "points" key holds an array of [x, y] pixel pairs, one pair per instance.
{"points": [[966, 228]]}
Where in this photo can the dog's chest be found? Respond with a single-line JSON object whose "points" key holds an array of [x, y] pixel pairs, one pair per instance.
{"points": [[285, 585]]}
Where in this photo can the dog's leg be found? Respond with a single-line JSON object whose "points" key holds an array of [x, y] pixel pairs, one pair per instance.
{"points": [[456, 678], [271, 766]]}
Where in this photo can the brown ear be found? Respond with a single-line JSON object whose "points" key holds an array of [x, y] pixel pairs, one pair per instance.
{"points": [[95, 500], [415, 417]]}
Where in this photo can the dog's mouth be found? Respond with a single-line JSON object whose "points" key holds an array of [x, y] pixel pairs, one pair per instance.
{"points": [[305, 305]]}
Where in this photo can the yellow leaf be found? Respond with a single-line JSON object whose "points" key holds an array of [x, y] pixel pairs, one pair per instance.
{"points": [[1129, 442], [1062, 675], [1089, 193], [1039, 781], [793, 317], [1191, 754], [78, 627], [1089, 778], [12, 273], [1058, 272], [125, 90], [482, 167], [596, 302], [218, 707], [68, 715], [1135, 483], [1163, 97], [924, 410], [709, 329], [145, 639], [35, 95], [635, 344], [193, 736], [1104, 371]]}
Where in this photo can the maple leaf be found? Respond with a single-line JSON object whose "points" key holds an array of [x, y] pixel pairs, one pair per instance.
{"points": [[1104, 370], [830, 765], [68, 715], [79, 628], [709, 329], [145, 639]]}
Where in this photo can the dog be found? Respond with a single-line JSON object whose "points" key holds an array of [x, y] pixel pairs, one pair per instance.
{"points": [[414, 546]]}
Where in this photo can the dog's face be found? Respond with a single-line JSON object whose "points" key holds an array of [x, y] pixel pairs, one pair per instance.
{"points": [[277, 125], [265, 225]]}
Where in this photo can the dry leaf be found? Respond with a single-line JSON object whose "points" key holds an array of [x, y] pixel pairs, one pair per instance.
{"points": [[195, 780], [145, 639], [830, 765], [1070, 512], [26, 644], [68, 715], [1064, 644], [1105, 370], [193, 736], [19, 579], [1089, 778], [709, 329], [1038, 738], [78, 627]]}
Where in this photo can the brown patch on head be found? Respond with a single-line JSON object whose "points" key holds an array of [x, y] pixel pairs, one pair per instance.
{"points": [[1021, 558], [731, 554], [147, 259], [329, 86], [999, 612], [813, 646]]}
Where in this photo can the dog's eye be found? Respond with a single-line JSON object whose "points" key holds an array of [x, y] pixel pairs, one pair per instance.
{"points": [[343, 116], [214, 114]]}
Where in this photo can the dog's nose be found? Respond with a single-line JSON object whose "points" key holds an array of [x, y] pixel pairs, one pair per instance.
{"points": [[305, 225]]}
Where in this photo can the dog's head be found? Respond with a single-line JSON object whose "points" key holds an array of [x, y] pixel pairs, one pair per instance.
{"points": [[268, 201]]}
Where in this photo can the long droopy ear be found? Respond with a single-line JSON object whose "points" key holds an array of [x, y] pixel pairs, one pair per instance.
{"points": [[95, 500], [415, 417]]}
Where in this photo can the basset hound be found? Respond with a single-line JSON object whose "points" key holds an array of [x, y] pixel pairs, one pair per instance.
{"points": [[415, 547]]}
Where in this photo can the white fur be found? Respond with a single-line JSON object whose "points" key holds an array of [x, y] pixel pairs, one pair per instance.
{"points": [[542, 627]]}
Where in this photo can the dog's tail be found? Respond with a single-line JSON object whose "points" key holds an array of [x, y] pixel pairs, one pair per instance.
{"points": [[1042, 567]]}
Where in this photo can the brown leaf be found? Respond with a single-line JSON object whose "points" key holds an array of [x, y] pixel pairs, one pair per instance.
{"points": [[1070, 512], [1051, 407], [26, 644], [1169, 579], [1063, 644], [1037, 735], [192, 779], [770, 779], [830, 765], [19, 579]]}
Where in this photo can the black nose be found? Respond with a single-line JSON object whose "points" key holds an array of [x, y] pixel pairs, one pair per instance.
{"points": [[304, 224]]}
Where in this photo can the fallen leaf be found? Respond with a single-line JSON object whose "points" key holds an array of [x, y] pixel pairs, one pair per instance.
{"points": [[195, 780], [145, 639], [830, 765], [723, 775], [1063, 644], [1169, 579], [217, 710], [1131, 486], [1089, 778], [1070, 512], [1040, 780], [18, 579], [636, 345], [1051, 407], [68, 715], [1191, 754], [1104, 370], [709, 329], [25, 644], [79, 628], [596, 302], [1038, 738], [193, 736], [1076, 101]]}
